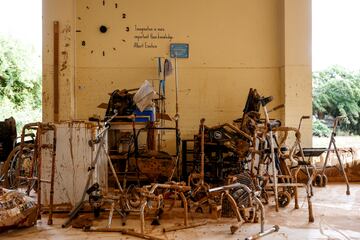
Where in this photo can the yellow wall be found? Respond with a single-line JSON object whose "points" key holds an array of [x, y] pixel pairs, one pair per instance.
{"points": [[234, 45]]}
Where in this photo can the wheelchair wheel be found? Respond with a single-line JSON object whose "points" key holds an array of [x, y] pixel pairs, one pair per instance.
{"points": [[17, 166], [318, 180], [324, 181], [284, 198]]}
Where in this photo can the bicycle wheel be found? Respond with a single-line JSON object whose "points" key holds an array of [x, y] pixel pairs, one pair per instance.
{"points": [[18, 167]]}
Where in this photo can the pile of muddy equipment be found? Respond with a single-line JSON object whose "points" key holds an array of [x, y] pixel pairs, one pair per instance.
{"points": [[228, 170]]}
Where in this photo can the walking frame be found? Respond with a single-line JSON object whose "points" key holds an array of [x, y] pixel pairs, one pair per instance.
{"points": [[321, 179]]}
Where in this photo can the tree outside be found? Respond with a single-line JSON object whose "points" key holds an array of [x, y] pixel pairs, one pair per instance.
{"points": [[20, 82], [336, 92]]}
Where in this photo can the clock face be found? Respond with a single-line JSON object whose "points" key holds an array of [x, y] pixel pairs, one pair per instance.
{"points": [[101, 27]]}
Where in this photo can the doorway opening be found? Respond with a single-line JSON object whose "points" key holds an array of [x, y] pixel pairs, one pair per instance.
{"points": [[336, 71], [21, 61]]}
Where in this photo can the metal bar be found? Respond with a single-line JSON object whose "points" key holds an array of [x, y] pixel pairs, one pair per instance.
{"points": [[111, 214], [327, 154], [273, 229], [292, 185], [50, 221], [234, 228], [142, 217], [262, 213], [342, 169], [296, 198], [56, 71], [311, 215], [274, 170], [271, 142], [183, 198], [182, 188], [230, 186], [39, 162], [111, 167], [123, 231], [175, 228], [177, 119], [202, 153], [34, 178]]}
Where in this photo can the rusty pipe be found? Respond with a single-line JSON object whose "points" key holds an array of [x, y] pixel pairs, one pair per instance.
{"points": [[183, 198], [175, 228], [311, 214], [239, 131], [22, 143], [37, 153], [123, 231], [202, 151], [111, 214], [273, 229], [111, 167], [230, 186], [182, 188], [234, 228], [262, 213], [53, 165], [142, 217]]}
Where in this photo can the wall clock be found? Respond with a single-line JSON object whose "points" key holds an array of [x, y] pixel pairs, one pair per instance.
{"points": [[101, 27]]}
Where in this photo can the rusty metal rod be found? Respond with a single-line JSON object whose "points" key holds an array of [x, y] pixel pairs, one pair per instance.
{"points": [[234, 227], [111, 214], [123, 231], [33, 178], [202, 143], [175, 228], [311, 215], [102, 145], [273, 229], [262, 213], [142, 217], [181, 188], [52, 179], [39, 164], [292, 185], [183, 198], [230, 186], [272, 156], [56, 33]]}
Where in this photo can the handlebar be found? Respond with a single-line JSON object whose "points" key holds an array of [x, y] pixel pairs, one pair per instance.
{"points": [[303, 117]]}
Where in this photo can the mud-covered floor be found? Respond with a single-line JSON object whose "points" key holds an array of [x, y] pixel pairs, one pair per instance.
{"points": [[337, 216]]}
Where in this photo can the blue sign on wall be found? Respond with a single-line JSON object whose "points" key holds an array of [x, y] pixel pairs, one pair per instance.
{"points": [[179, 50]]}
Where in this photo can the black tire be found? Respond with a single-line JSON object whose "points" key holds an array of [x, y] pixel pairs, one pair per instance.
{"points": [[241, 197], [284, 198], [324, 181], [16, 165], [318, 180], [97, 211], [133, 197]]}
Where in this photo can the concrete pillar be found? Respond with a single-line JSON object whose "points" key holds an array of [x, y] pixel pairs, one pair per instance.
{"points": [[64, 12], [296, 74]]}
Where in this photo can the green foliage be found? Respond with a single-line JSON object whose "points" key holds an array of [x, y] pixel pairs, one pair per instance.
{"points": [[336, 92], [20, 82], [320, 129], [20, 79], [26, 115]]}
